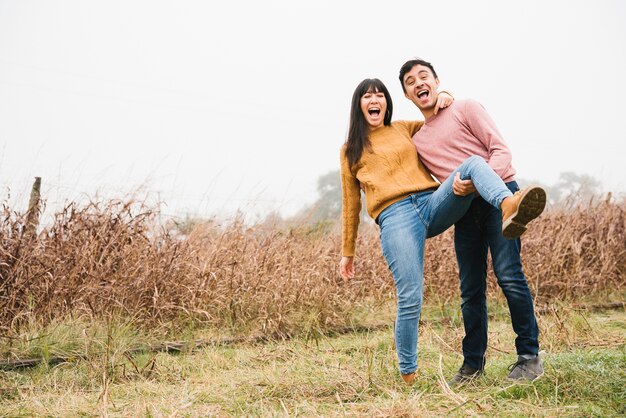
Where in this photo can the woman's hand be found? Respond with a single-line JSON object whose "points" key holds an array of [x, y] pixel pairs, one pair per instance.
{"points": [[346, 267], [444, 99]]}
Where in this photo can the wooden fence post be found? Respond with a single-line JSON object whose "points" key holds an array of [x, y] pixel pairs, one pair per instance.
{"points": [[34, 208]]}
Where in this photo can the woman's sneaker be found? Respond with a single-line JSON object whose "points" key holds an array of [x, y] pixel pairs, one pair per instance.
{"points": [[523, 207], [526, 369]]}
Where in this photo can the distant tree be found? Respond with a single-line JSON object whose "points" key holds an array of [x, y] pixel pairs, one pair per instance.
{"points": [[570, 186], [580, 186], [328, 204], [327, 207], [554, 192]]}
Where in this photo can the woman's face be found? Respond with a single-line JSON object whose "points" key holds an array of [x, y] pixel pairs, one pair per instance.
{"points": [[374, 107]]}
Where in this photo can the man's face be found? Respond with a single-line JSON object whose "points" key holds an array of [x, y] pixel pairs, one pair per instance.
{"points": [[420, 87]]}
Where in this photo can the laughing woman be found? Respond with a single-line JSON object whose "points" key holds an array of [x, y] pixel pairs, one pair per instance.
{"points": [[406, 203]]}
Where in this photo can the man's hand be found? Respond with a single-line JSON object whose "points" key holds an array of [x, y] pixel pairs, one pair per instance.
{"points": [[462, 187], [346, 267], [444, 99]]}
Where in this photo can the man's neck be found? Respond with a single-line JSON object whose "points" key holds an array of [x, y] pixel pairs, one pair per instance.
{"points": [[427, 112], [431, 110]]}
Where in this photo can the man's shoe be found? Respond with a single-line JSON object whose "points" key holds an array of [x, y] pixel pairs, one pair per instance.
{"points": [[526, 369], [524, 206], [465, 375]]}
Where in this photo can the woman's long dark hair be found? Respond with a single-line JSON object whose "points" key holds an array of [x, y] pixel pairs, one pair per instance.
{"points": [[358, 133]]}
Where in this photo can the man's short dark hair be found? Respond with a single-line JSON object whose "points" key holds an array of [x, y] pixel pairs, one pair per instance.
{"points": [[408, 66]]}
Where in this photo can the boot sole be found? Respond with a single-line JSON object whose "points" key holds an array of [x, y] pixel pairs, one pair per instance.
{"points": [[532, 203]]}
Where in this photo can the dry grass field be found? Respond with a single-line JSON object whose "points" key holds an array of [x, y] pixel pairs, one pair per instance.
{"points": [[351, 374], [113, 259], [270, 328]]}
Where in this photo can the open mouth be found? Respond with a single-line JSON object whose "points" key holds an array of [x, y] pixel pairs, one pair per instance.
{"points": [[422, 94], [374, 111]]}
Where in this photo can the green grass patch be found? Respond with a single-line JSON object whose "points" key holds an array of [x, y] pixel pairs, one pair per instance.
{"points": [[316, 374]]}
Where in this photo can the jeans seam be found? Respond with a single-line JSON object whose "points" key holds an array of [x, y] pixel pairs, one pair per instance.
{"points": [[419, 214]]}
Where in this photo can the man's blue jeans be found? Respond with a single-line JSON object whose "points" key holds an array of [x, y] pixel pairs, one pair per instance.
{"points": [[404, 227], [478, 230]]}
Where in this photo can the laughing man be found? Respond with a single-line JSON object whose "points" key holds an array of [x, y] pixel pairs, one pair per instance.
{"points": [[447, 139]]}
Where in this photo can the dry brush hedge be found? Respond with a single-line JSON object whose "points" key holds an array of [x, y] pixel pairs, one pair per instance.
{"points": [[111, 258]]}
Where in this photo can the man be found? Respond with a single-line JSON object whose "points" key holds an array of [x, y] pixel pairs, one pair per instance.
{"points": [[446, 139]]}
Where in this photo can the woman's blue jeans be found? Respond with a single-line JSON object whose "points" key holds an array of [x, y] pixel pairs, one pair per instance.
{"points": [[404, 227]]}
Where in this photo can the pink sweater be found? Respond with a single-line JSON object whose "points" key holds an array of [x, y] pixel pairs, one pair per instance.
{"points": [[457, 132]]}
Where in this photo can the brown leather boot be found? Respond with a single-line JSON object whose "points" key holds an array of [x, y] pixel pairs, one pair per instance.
{"points": [[524, 206], [409, 379]]}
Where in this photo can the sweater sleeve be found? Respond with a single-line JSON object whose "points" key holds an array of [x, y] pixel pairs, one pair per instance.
{"points": [[414, 126], [350, 207], [485, 130]]}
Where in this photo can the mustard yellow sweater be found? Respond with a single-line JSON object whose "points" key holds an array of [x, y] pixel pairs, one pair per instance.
{"points": [[389, 171]]}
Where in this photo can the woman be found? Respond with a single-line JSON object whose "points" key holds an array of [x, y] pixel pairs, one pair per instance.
{"points": [[406, 203]]}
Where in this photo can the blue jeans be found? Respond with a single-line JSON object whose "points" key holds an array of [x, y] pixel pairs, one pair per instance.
{"points": [[404, 227], [478, 230]]}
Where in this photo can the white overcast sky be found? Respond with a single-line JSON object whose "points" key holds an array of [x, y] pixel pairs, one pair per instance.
{"points": [[214, 106]]}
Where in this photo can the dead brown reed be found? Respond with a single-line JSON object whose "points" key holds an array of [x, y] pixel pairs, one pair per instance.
{"points": [[575, 252], [112, 258]]}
